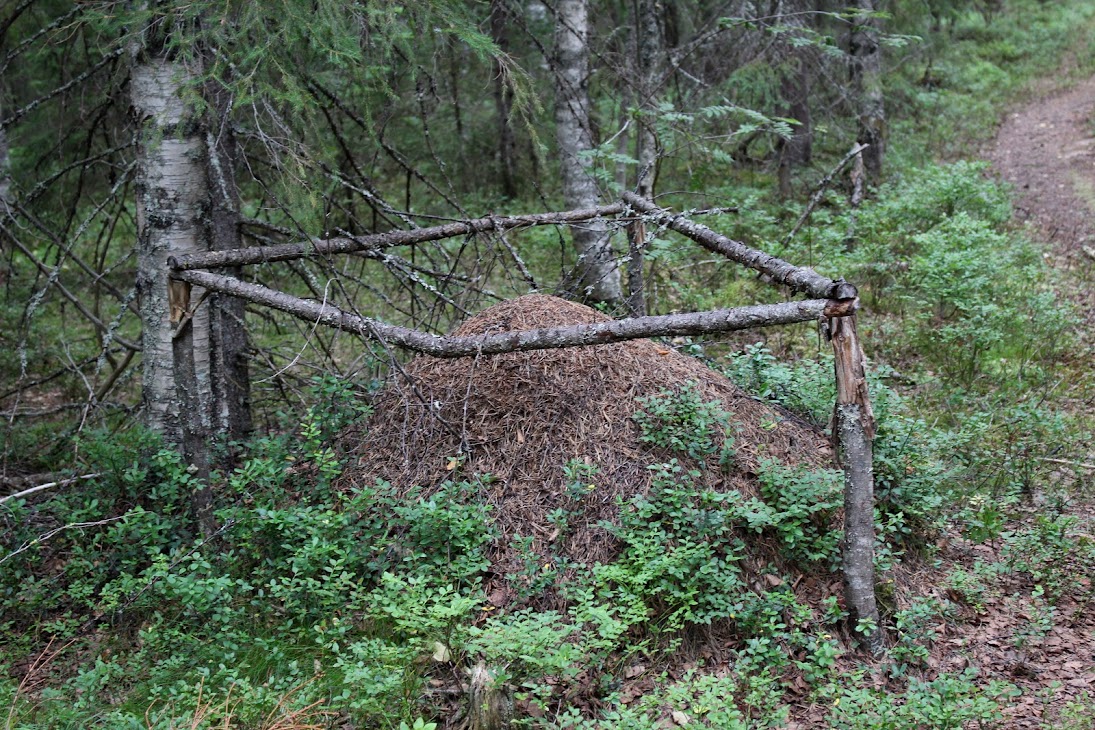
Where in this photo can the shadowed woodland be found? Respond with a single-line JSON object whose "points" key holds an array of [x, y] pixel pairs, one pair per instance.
{"points": [[567, 364]]}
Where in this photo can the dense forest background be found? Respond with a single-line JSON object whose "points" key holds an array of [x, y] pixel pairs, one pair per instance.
{"points": [[223, 553]]}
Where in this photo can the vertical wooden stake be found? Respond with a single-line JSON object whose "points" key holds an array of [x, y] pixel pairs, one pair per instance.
{"points": [[854, 430]]}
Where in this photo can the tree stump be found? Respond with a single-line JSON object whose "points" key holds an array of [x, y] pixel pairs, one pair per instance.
{"points": [[490, 703]]}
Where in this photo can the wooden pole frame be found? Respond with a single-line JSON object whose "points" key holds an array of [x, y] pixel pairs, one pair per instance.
{"points": [[833, 301], [582, 335]]}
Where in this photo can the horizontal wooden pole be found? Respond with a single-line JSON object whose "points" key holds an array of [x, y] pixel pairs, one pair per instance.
{"points": [[799, 279], [315, 247], [600, 333]]}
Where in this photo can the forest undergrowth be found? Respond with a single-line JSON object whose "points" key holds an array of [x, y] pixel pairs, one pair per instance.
{"points": [[317, 606]]}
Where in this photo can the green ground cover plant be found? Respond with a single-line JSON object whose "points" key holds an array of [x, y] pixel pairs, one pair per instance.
{"points": [[315, 606]]}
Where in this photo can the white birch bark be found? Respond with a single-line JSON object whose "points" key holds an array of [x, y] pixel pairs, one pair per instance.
{"points": [[600, 275], [171, 195]]}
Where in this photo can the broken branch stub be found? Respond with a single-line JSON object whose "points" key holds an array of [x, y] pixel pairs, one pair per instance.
{"points": [[490, 702]]}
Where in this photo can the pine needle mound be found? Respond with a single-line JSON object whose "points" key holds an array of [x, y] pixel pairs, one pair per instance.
{"points": [[521, 417]]}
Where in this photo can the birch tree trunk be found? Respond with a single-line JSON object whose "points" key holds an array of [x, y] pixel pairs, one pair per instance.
{"points": [[600, 276], [866, 73], [172, 193]]}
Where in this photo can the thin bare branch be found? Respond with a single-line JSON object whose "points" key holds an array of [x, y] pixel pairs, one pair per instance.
{"points": [[819, 193], [20, 113], [1066, 462], [76, 302], [73, 526], [53, 25]]}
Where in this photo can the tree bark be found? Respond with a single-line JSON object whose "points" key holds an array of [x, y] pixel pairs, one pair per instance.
{"points": [[636, 287], [172, 193], [500, 21], [649, 50], [5, 170], [866, 76], [378, 241], [795, 90], [229, 353], [172, 186], [193, 401], [854, 431], [628, 92], [600, 333], [599, 274], [490, 702]]}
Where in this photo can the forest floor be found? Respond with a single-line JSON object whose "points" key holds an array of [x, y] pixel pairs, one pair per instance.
{"points": [[1005, 626], [1045, 149], [1010, 632]]}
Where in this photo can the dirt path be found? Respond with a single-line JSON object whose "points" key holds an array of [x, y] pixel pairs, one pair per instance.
{"points": [[1046, 150]]}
